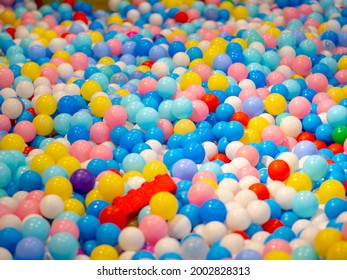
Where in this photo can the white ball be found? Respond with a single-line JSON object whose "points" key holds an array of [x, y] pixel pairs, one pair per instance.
{"points": [[65, 71], [181, 59], [166, 245], [287, 51], [248, 181], [12, 108], [284, 197], [149, 155], [285, 70], [238, 219], [309, 233], [291, 126], [199, 229], [268, 117], [319, 218], [127, 255], [7, 93], [42, 81], [156, 19], [342, 218], [131, 239], [244, 197], [160, 69], [214, 231], [57, 44], [42, 89], [136, 182], [58, 87], [233, 242], [82, 258], [5, 254], [259, 211], [230, 184], [155, 146], [247, 83], [273, 187], [298, 242], [72, 89], [240, 162], [229, 168], [210, 148], [260, 236], [19, 196], [232, 148], [133, 15], [236, 102], [258, 46], [113, 4], [291, 159], [10, 220], [179, 226], [299, 225], [51, 206], [224, 195], [254, 245], [144, 7]]}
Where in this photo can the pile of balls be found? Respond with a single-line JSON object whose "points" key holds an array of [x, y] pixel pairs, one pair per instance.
{"points": [[242, 103]]}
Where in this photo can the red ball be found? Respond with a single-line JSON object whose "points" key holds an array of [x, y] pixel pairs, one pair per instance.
{"points": [[27, 150], [320, 144], [112, 214], [181, 17], [80, 16], [279, 170], [11, 31], [211, 101], [271, 225], [115, 171], [148, 63], [336, 148], [306, 136], [260, 190], [32, 111], [221, 157], [243, 234], [241, 117], [70, 2]]}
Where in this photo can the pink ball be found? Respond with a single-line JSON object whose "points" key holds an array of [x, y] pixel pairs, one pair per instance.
{"points": [[317, 81], [27, 207], [299, 107], [263, 92], [7, 77], [345, 146], [275, 77], [65, 225], [153, 228], [101, 151], [184, 93], [79, 61], [305, 9], [200, 192], [290, 13], [248, 92], [146, 85], [149, 248], [287, 60], [80, 150], [270, 40], [115, 116], [312, 22], [57, 61], [247, 171], [70, 37], [28, 18], [36, 195], [25, 129], [193, 14], [344, 231], [325, 105], [227, 28], [320, 96], [50, 73], [277, 244], [100, 132], [167, 127], [204, 174], [5, 123], [341, 76], [197, 90], [250, 153], [50, 20], [115, 46], [238, 71], [302, 65], [203, 70], [200, 111], [290, 142], [60, 30], [273, 133], [5, 210]]}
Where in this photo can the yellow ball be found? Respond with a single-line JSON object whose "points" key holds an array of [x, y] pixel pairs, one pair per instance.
{"points": [[153, 169], [184, 126], [191, 43], [218, 82], [104, 252], [342, 63], [240, 12], [190, 78], [258, 124], [44, 124], [299, 181], [331, 189], [324, 239], [277, 255], [46, 104], [56, 150], [92, 196], [114, 19], [41, 162], [74, 205], [111, 186], [50, 34], [31, 70], [131, 174], [96, 37], [123, 92], [210, 54], [106, 61], [196, 62], [99, 105], [227, 5], [64, 55], [338, 251], [59, 186], [8, 17], [337, 94], [250, 136], [275, 104], [241, 42], [69, 163], [164, 204], [213, 184], [89, 88], [12, 141]]}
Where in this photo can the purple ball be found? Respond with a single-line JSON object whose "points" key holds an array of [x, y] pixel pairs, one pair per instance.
{"points": [[184, 169], [82, 180]]}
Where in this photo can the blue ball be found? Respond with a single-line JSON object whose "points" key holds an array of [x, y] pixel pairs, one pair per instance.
{"points": [[276, 210], [133, 162], [304, 253], [107, 233], [289, 218], [305, 148], [311, 122], [253, 229], [224, 112], [143, 255], [88, 226], [218, 253], [36, 227], [248, 254], [76, 133], [234, 131], [30, 181], [213, 210], [63, 246], [284, 233], [305, 204], [9, 238], [95, 207], [334, 207], [30, 248], [194, 151], [131, 138], [192, 212], [170, 256], [96, 166], [119, 154]]}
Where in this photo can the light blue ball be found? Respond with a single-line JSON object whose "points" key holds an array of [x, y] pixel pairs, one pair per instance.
{"points": [[5, 177], [166, 87], [304, 253], [36, 227], [305, 204], [53, 171], [63, 246], [62, 123], [315, 167], [133, 162], [182, 108], [337, 115], [82, 118], [164, 110], [147, 118]]}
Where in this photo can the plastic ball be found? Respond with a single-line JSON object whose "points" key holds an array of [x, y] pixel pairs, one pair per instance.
{"points": [[279, 170], [213, 210], [12, 141], [63, 246], [164, 205], [59, 186], [325, 239], [30, 248], [330, 189]]}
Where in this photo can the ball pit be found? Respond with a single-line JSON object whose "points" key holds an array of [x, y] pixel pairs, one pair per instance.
{"points": [[243, 104]]}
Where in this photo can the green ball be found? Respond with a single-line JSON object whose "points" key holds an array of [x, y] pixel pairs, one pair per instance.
{"points": [[340, 134]]}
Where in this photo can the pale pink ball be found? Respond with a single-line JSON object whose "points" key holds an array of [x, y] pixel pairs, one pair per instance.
{"points": [[203, 70], [25, 129], [325, 105], [36, 195], [291, 13], [50, 73], [273, 133], [80, 150], [247, 92], [345, 146], [60, 30], [200, 192], [200, 111], [287, 60], [299, 107], [146, 85], [5, 123], [100, 132], [247, 171], [312, 22], [290, 142], [153, 228], [70, 37], [227, 28], [115, 115], [204, 174], [341, 76], [50, 20], [7, 77], [57, 61], [79, 61], [263, 92], [320, 96], [5, 210], [344, 231], [193, 14], [277, 244], [250, 153], [115, 46], [197, 90], [27, 207], [65, 225], [302, 65], [270, 40], [167, 127], [305, 9], [101, 151], [238, 71], [317, 81], [178, 37], [184, 93], [275, 77]]}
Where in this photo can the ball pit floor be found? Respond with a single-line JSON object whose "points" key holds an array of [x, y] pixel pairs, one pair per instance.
{"points": [[219, 126]]}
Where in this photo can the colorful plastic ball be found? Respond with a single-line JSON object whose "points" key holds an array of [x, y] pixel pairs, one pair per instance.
{"points": [[325, 239], [299, 181], [29, 181], [279, 170], [213, 210], [330, 189], [184, 169], [30, 248], [147, 118], [153, 169], [153, 228], [275, 104], [339, 134], [315, 167], [107, 234], [59, 186], [82, 181], [182, 108], [305, 204], [164, 204], [76, 133], [12, 141], [194, 248], [63, 246], [111, 186], [200, 192], [337, 251], [10, 237]]}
